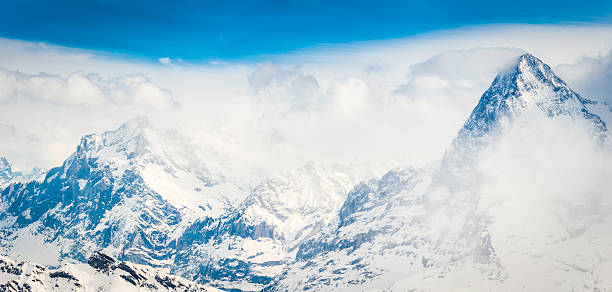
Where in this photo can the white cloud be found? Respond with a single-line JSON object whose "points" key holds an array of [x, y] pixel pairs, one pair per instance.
{"points": [[165, 60], [398, 101], [590, 76], [546, 188], [349, 96], [463, 67], [79, 88], [30, 149], [282, 89]]}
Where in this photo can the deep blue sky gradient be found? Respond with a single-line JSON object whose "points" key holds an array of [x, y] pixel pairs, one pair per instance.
{"points": [[205, 30]]}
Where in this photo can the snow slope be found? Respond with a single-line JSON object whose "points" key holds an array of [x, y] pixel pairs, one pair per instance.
{"points": [[101, 273]]}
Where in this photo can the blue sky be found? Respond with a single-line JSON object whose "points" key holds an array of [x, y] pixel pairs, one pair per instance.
{"points": [[206, 30]]}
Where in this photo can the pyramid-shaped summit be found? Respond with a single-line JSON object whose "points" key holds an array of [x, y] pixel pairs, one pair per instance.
{"points": [[528, 85]]}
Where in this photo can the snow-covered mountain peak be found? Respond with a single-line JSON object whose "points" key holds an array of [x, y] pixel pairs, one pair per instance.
{"points": [[531, 83], [6, 172], [297, 200], [529, 86], [138, 133], [133, 139], [168, 162], [527, 71], [529, 64], [528, 90], [128, 192], [251, 244], [5, 169], [4, 164]]}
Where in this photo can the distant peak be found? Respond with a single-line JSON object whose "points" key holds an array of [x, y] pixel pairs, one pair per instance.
{"points": [[4, 162], [136, 130], [133, 128], [135, 124]]}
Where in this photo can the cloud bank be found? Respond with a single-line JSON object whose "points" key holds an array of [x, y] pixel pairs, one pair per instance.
{"points": [[82, 89], [546, 188], [393, 102]]}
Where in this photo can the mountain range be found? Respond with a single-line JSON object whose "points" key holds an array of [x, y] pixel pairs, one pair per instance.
{"points": [[148, 199]]}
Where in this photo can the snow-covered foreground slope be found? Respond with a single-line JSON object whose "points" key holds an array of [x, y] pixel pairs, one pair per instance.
{"points": [[129, 192], [100, 273], [519, 202]]}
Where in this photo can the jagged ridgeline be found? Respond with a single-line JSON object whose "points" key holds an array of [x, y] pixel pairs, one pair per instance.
{"points": [[145, 196]]}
